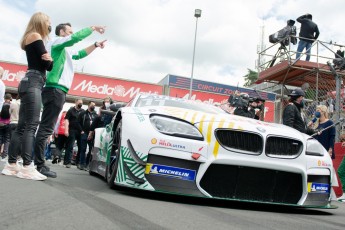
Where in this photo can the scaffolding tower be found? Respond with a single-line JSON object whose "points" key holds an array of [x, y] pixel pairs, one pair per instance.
{"points": [[319, 77]]}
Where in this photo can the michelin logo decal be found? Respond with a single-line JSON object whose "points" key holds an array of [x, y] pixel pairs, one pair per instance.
{"points": [[169, 171], [318, 188]]}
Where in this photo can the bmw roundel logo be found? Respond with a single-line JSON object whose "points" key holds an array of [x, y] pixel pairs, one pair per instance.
{"points": [[261, 129]]}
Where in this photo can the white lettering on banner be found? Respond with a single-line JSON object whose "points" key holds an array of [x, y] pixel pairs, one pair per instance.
{"points": [[209, 101], [117, 90], [7, 76]]}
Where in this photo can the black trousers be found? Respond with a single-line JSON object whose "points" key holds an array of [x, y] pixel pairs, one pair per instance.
{"points": [[53, 100], [29, 90], [60, 142], [73, 136]]}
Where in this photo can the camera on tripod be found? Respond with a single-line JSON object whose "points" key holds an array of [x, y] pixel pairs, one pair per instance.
{"points": [[283, 35]]}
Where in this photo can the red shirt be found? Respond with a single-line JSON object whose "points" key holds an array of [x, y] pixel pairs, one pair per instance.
{"points": [[61, 124]]}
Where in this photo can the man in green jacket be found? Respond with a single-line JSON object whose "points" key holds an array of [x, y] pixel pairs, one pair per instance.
{"points": [[58, 82]]}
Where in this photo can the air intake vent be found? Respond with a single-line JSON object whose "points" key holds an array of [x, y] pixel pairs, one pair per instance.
{"points": [[252, 184], [283, 147], [236, 140]]}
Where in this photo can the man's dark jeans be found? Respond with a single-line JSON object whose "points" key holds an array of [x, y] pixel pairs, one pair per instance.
{"points": [[72, 137], [29, 90], [84, 142], [53, 100]]}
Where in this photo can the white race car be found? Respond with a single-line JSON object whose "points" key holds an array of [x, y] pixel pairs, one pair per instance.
{"points": [[171, 145]]}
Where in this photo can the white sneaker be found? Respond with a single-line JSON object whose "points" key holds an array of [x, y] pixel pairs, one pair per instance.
{"points": [[29, 172], [342, 198], [20, 161], [11, 170]]}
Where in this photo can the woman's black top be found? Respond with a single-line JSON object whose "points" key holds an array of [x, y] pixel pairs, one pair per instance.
{"points": [[34, 52]]}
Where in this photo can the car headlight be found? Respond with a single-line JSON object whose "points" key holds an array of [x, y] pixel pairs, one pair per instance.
{"points": [[174, 127], [314, 148]]}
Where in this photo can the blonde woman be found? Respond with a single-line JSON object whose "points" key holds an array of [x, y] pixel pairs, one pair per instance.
{"points": [[326, 137], [29, 89]]}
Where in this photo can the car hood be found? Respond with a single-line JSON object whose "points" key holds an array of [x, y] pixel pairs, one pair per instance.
{"points": [[220, 120]]}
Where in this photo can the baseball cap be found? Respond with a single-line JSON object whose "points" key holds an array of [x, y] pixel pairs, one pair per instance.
{"points": [[297, 92]]}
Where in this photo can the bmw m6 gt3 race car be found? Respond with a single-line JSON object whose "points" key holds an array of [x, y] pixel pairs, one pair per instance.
{"points": [[171, 145]]}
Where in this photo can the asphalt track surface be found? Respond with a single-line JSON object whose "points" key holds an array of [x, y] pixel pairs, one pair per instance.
{"points": [[76, 200]]}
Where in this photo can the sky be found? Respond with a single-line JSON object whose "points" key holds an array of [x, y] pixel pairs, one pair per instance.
{"points": [[148, 39]]}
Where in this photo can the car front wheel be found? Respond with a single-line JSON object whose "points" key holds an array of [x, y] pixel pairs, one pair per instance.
{"points": [[114, 157]]}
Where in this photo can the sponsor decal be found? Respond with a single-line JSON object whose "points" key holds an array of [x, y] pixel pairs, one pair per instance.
{"points": [[318, 188], [166, 143], [323, 163], [153, 141], [170, 171]]}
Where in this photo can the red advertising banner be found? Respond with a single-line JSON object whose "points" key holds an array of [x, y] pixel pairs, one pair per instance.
{"points": [[218, 98], [88, 85], [118, 90], [10, 77]]}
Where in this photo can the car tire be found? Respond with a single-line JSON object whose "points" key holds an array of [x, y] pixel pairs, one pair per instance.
{"points": [[115, 152]]}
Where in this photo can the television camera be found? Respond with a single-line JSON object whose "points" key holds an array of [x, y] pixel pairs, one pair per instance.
{"points": [[243, 101], [239, 100], [283, 35]]}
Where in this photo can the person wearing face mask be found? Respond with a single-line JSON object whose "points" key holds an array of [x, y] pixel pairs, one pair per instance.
{"points": [[72, 131], [105, 118], [326, 137], [293, 115], [85, 120], [60, 79], [33, 42]]}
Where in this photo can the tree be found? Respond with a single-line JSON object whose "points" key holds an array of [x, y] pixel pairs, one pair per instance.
{"points": [[250, 78]]}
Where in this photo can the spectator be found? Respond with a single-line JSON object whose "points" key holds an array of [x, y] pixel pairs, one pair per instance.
{"points": [[60, 138], [72, 132], [326, 137], [30, 88], [5, 130], [59, 80], [14, 111], [106, 118], [308, 33], [293, 115], [85, 119]]}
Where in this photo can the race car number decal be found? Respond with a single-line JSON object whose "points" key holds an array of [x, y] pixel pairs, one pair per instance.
{"points": [[318, 188], [170, 171]]}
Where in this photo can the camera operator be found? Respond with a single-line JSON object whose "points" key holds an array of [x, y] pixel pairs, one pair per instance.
{"points": [[242, 103], [257, 106]]}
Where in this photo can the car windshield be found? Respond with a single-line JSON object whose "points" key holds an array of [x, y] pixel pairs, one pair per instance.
{"points": [[156, 100]]}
